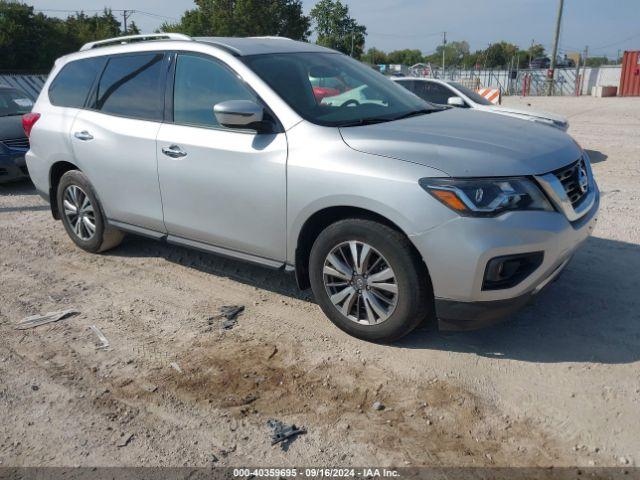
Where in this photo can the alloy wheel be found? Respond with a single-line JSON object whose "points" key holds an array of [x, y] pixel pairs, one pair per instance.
{"points": [[79, 212], [360, 282]]}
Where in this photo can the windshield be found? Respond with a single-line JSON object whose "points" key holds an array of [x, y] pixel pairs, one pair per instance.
{"points": [[475, 97], [12, 102], [334, 90]]}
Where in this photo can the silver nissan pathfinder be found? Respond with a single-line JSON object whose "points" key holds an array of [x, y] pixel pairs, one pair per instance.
{"points": [[393, 210]]}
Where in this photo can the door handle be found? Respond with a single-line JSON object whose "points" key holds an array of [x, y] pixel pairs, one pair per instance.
{"points": [[83, 135], [174, 151]]}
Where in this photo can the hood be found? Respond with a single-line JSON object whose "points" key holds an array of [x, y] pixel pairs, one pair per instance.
{"points": [[525, 112], [467, 143], [11, 127]]}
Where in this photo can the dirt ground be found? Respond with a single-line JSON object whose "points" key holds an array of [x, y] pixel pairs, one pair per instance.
{"points": [[558, 384]]}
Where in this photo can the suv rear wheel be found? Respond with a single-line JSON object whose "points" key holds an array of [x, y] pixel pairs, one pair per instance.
{"points": [[82, 215], [368, 280]]}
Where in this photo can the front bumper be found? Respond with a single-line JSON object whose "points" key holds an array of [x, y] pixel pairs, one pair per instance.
{"points": [[457, 252], [453, 315], [12, 166]]}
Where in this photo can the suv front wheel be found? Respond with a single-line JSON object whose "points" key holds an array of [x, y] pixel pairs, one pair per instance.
{"points": [[368, 280], [82, 215]]}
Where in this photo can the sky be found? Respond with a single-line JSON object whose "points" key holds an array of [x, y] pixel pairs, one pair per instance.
{"points": [[604, 25]]}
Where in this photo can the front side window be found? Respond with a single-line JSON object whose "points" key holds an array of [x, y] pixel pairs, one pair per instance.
{"points": [[132, 86], [475, 97], [433, 92], [334, 90], [13, 103], [71, 86], [200, 84]]}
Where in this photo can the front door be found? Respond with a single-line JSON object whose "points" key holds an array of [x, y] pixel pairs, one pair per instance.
{"points": [[222, 187]]}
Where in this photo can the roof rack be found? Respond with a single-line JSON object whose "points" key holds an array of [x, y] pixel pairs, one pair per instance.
{"points": [[133, 39], [271, 37]]}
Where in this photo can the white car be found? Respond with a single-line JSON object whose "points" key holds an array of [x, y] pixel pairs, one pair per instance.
{"points": [[442, 92]]}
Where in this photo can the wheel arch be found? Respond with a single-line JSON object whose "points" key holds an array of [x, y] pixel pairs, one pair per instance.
{"points": [[57, 170], [321, 219]]}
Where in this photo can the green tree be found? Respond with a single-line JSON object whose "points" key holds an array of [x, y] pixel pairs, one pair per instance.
{"points": [[531, 53], [28, 40], [242, 18], [337, 29], [597, 61], [132, 29], [32, 41], [83, 28], [500, 54], [375, 57], [455, 53], [405, 57]]}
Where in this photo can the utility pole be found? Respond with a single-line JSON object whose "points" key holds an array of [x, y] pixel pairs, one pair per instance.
{"points": [[584, 67], [352, 43], [554, 53], [444, 48], [533, 41], [125, 15]]}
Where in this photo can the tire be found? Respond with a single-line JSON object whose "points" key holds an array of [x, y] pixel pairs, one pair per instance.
{"points": [[73, 187], [406, 309]]}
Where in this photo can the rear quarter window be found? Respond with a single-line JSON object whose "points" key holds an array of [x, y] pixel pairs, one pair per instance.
{"points": [[71, 86]]}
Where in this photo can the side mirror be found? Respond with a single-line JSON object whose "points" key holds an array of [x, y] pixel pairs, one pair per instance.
{"points": [[455, 102], [239, 114]]}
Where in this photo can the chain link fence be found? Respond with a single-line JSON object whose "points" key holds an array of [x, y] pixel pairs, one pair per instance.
{"points": [[568, 81]]}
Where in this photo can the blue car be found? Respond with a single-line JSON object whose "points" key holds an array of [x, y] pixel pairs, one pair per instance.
{"points": [[13, 141]]}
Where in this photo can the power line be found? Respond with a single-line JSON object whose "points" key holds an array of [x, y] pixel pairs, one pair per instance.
{"points": [[56, 10], [616, 43], [155, 15], [129, 12], [400, 35]]}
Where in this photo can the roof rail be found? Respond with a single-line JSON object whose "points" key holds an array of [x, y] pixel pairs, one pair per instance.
{"points": [[133, 39], [272, 37]]}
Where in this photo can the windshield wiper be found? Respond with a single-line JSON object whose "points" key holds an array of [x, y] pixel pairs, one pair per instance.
{"points": [[366, 121], [11, 115], [374, 120], [415, 113]]}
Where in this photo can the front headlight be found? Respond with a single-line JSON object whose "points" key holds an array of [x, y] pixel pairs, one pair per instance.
{"points": [[487, 197]]}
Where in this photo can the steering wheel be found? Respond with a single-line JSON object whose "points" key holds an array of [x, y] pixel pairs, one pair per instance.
{"points": [[351, 101]]}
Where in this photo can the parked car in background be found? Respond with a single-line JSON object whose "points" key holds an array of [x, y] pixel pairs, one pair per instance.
{"points": [[540, 62], [393, 210], [328, 84], [13, 141], [443, 92], [565, 62]]}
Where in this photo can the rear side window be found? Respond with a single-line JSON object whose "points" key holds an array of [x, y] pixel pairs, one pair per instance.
{"points": [[132, 86], [201, 83], [71, 86]]}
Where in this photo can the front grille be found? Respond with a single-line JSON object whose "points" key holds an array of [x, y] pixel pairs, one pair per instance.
{"points": [[17, 142], [574, 179]]}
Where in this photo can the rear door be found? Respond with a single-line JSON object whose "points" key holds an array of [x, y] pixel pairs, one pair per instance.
{"points": [[225, 187], [114, 139]]}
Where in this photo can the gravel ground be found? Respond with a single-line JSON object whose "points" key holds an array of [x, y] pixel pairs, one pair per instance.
{"points": [[558, 384]]}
